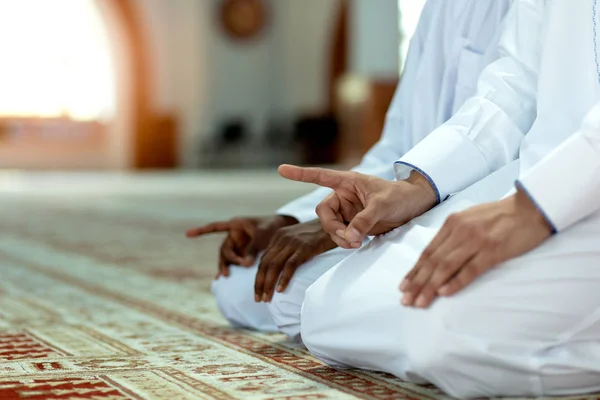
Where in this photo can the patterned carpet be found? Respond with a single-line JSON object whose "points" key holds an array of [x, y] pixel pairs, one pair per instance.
{"points": [[102, 297]]}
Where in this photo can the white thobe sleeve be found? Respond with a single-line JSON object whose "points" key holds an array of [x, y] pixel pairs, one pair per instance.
{"points": [[487, 130], [565, 185], [380, 158]]}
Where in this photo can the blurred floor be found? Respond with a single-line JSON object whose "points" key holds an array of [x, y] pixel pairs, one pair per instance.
{"points": [[102, 297]]}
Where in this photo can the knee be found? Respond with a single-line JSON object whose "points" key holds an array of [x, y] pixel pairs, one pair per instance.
{"points": [[437, 354], [235, 299], [230, 301], [285, 311], [317, 327], [285, 307], [427, 355]]}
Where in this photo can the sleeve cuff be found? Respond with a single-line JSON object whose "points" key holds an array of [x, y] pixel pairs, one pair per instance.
{"points": [[565, 185], [520, 186], [403, 168], [449, 160]]}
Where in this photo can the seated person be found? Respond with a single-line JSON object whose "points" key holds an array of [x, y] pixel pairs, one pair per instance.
{"points": [[496, 290], [267, 263]]}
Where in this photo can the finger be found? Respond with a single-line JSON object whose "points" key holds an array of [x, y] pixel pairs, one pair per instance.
{"points": [[269, 269], [413, 294], [210, 228], [261, 273], [274, 270], [445, 255], [223, 267], [227, 252], [296, 260], [360, 226], [231, 257], [344, 244], [472, 270], [240, 240], [328, 213], [438, 239], [452, 256], [319, 176], [348, 208]]}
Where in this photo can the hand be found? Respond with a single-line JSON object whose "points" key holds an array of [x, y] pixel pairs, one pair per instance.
{"points": [[246, 238], [363, 205], [472, 242], [290, 247]]}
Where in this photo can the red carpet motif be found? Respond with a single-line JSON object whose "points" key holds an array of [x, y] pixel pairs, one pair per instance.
{"points": [[101, 297]]}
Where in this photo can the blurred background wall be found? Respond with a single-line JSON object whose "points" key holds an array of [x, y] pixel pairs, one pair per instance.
{"points": [[154, 84]]}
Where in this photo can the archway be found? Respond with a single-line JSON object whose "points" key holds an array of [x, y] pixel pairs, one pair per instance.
{"points": [[76, 90]]}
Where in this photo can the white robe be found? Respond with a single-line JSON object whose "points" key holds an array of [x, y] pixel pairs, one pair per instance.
{"points": [[531, 326], [453, 42]]}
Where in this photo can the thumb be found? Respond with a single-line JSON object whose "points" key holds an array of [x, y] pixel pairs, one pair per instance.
{"points": [[360, 226], [319, 176]]}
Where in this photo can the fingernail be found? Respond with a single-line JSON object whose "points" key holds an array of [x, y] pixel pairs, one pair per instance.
{"points": [[421, 301], [257, 298], [279, 288], [404, 285], [341, 233], [443, 291], [356, 245], [353, 235], [265, 298], [406, 300]]}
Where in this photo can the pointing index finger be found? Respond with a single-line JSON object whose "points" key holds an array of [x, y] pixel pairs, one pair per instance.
{"points": [[210, 228], [319, 176]]}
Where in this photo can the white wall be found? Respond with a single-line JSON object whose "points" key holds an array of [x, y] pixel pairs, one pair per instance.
{"points": [[242, 80], [205, 77], [283, 72]]}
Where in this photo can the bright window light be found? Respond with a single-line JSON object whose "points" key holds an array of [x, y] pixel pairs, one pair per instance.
{"points": [[55, 60]]}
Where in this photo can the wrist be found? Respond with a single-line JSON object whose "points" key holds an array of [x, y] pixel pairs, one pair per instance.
{"points": [[528, 211], [423, 190], [324, 238], [282, 221]]}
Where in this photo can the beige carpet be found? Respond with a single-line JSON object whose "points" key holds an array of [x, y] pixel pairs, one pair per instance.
{"points": [[102, 297]]}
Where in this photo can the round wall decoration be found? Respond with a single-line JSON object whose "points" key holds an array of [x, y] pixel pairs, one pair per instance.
{"points": [[243, 19]]}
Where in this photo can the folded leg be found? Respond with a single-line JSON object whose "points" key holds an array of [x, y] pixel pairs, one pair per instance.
{"points": [[235, 296], [530, 327], [285, 307]]}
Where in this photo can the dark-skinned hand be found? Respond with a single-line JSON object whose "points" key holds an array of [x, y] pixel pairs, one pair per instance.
{"points": [[290, 247], [246, 237]]}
